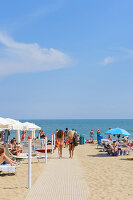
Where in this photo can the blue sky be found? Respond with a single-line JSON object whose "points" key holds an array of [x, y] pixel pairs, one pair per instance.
{"points": [[66, 59]]}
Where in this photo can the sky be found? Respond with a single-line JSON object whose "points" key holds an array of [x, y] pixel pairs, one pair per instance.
{"points": [[66, 59]]}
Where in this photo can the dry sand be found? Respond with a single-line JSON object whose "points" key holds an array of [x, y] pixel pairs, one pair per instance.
{"points": [[108, 177], [14, 187]]}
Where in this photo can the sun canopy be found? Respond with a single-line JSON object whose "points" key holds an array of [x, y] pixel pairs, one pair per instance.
{"points": [[4, 124], [14, 124], [30, 126], [117, 131]]}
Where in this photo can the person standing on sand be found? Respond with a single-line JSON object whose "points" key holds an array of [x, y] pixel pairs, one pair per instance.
{"points": [[92, 136], [66, 137], [109, 137], [60, 141], [23, 136], [39, 134], [98, 132], [71, 142]]}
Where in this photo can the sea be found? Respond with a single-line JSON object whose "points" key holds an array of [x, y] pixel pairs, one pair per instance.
{"points": [[83, 126]]}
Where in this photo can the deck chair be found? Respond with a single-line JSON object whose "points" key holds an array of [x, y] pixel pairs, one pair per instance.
{"points": [[8, 168], [24, 157]]}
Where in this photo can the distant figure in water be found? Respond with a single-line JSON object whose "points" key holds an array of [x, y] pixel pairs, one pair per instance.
{"points": [[60, 142], [98, 132], [92, 136], [71, 142]]}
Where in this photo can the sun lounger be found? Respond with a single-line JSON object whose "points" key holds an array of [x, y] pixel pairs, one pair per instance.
{"points": [[25, 156], [8, 168]]}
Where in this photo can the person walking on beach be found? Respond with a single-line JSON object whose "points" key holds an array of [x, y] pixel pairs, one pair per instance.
{"points": [[98, 132], [92, 136], [71, 142], [66, 137], [60, 141]]}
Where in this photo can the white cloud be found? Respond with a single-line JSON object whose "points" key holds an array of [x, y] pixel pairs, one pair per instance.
{"points": [[108, 60], [18, 57]]}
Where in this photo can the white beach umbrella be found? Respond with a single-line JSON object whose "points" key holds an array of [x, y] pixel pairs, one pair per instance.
{"points": [[4, 124], [15, 125], [31, 127]]}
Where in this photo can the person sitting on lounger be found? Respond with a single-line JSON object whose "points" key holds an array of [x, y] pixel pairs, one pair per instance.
{"points": [[114, 148], [4, 159], [13, 149]]}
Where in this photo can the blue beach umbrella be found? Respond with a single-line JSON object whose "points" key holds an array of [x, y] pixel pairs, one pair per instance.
{"points": [[117, 131]]}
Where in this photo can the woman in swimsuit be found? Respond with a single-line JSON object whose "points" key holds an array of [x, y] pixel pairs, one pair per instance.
{"points": [[4, 159], [71, 141], [60, 141]]}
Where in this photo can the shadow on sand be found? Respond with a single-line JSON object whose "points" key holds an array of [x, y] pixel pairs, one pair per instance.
{"points": [[7, 174], [60, 158], [99, 155]]}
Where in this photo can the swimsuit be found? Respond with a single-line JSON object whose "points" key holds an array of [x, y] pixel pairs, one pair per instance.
{"points": [[59, 143], [73, 142]]}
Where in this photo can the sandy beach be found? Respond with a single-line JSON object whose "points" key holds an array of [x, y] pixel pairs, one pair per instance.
{"points": [[15, 186], [108, 177]]}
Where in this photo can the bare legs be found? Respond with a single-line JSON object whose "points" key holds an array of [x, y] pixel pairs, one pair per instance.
{"points": [[71, 150], [3, 158], [60, 151]]}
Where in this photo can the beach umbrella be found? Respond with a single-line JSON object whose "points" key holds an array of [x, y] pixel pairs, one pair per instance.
{"points": [[4, 124], [15, 125], [117, 131], [31, 127]]}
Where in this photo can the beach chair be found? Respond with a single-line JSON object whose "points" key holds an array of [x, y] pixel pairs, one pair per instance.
{"points": [[8, 168], [25, 157]]}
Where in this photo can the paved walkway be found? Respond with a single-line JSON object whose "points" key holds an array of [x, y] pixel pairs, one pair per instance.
{"points": [[61, 180]]}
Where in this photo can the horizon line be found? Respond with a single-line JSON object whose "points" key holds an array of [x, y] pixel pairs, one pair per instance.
{"points": [[76, 119]]}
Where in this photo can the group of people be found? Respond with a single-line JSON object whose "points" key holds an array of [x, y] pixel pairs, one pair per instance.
{"points": [[41, 135], [4, 136], [4, 159], [66, 138], [92, 135]]}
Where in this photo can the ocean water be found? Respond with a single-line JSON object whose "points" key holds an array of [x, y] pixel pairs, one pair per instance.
{"points": [[83, 126]]}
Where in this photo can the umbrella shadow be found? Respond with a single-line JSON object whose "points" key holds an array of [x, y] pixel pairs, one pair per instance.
{"points": [[7, 174], [99, 155]]}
